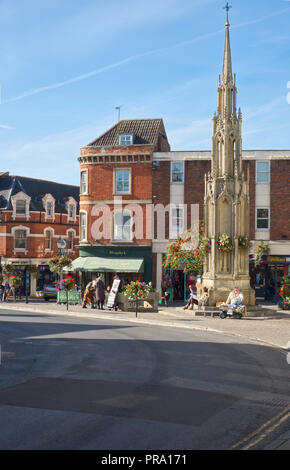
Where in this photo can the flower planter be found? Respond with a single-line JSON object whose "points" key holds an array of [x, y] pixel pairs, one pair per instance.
{"points": [[74, 297], [150, 304]]}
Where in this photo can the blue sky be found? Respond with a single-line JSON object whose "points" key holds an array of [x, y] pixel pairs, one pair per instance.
{"points": [[65, 66]]}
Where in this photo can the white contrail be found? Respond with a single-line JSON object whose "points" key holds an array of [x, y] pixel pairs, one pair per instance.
{"points": [[132, 58]]}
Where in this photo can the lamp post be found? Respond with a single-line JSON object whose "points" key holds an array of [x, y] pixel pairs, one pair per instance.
{"points": [[61, 244]]}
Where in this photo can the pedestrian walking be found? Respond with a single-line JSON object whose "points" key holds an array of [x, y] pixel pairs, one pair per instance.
{"points": [[100, 293], [89, 295]]}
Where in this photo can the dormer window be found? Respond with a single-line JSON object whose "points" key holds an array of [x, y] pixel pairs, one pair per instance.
{"points": [[20, 207], [48, 209], [126, 139], [70, 211], [71, 207], [49, 206], [20, 203]]}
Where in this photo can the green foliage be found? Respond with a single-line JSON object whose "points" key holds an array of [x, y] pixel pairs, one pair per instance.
{"points": [[184, 252], [261, 250], [57, 264]]}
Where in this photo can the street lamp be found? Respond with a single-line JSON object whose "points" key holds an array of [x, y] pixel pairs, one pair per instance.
{"points": [[61, 244]]}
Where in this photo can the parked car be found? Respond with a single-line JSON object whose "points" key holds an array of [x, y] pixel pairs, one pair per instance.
{"points": [[49, 292]]}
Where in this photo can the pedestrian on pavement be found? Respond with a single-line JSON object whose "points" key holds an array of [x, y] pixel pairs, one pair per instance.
{"points": [[204, 297], [166, 298], [89, 294], [100, 293], [192, 298]]}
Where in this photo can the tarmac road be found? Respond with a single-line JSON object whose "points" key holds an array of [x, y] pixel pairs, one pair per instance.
{"points": [[80, 383]]}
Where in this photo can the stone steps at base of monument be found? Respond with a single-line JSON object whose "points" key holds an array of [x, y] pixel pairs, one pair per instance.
{"points": [[254, 311]]}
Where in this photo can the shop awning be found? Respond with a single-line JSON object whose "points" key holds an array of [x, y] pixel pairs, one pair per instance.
{"points": [[95, 263]]}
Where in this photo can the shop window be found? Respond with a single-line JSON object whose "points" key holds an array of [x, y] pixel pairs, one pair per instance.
{"points": [[262, 219], [177, 172], [262, 172], [123, 181], [122, 226]]}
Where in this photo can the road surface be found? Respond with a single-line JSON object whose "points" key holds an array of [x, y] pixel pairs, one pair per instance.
{"points": [[74, 383]]}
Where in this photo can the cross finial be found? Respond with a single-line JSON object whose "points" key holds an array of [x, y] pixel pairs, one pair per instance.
{"points": [[227, 7]]}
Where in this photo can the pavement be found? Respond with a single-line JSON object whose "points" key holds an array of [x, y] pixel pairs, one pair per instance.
{"points": [[271, 328]]}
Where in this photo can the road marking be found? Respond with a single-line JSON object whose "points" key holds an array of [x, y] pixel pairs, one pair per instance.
{"points": [[269, 431], [261, 428]]}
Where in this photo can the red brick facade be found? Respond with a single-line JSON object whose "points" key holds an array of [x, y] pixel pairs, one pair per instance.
{"points": [[280, 200]]}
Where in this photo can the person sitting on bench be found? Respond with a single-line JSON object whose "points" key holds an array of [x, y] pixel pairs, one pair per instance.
{"points": [[235, 299], [192, 298]]}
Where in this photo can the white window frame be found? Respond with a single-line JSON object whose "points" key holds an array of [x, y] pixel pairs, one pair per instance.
{"points": [[48, 198], [176, 230], [116, 170], [173, 172], [126, 139], [85, 238], [51, 231], [269, 219], [71, 202], [70, 249], [21, 196], [268, 172], [86, 192], [13, 231], [122, 240]]}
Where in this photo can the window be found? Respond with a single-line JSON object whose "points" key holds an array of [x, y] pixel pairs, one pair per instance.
{"points": [[263, 172], [176, 222], [20, 207], [71, 211], [84, 182], [126, 139], [122, 226], [263, 219], [20, 239], [177, 172], [122, 181], [83, 226], [70, 240], [48, 209], [48, 240]]}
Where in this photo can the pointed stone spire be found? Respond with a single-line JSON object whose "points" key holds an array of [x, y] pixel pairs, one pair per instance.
{"points": [[227, 78]]}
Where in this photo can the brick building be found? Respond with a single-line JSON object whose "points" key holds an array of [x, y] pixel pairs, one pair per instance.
{"points": [[34, 215], [137, 196], [115, 193], [129, 172]]}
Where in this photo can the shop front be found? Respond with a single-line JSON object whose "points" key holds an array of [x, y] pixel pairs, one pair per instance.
{"points": [[267, 278], [130, 263]]}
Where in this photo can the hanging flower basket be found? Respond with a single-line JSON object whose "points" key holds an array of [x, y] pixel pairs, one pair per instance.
{"points": [[262, 249], [244, 242], [15, 281], [225, 243], [205, 245]]}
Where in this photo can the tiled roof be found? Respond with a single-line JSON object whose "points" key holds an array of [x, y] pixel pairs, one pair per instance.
{"points": [[36, 189], [146, 131]]}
